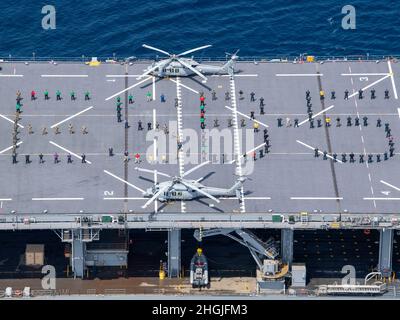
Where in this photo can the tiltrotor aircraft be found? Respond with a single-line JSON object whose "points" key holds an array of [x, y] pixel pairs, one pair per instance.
{"points": [[174, 65], [183, 189]]}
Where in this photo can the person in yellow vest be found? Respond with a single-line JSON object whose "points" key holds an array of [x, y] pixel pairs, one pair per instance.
{"points": [[255, 126], [328, 121], [322, 94]]}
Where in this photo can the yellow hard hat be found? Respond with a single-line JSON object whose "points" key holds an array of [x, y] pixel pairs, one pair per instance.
{"points": [[199, 251]]}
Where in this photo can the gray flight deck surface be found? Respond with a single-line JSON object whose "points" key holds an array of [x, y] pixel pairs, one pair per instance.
{"points": [[289, 179]]}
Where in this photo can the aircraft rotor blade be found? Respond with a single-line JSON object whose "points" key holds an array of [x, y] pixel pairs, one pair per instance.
{"points": [[193, 69], [189, 185], [193, 50], [152, 171], [195, 168], [160, 65], [156, 49], [155, 196]]}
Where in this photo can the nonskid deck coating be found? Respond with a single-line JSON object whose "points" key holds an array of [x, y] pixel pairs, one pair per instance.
{"points": [[288, 179]]}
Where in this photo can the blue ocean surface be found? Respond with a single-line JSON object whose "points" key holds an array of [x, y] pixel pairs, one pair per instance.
{"points": [[257, 27]]}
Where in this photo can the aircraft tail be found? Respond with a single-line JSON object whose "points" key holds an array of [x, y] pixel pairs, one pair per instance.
{"points": [[230, 65], [237, 185]]}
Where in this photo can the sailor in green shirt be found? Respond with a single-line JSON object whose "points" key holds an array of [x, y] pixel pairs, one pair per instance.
{"points": [[87, 95], [58, 95], [72, 94], [46, 95], [118, 99], [130, 99], [18, 107], [148, 95]]}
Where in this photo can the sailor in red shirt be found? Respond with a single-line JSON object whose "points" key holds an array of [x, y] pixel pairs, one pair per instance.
{"points": [[33, 95], [202, 100]]}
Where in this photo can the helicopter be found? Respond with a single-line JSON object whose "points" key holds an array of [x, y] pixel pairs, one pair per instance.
{"points": [[177, 66], [179, 188]]}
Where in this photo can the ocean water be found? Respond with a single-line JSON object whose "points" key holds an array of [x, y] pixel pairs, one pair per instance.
{"points": [[256, 27]]}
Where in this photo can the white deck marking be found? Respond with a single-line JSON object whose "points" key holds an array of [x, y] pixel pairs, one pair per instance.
{"points": [[127, 198], [9, 120], [392, 78], [236, 139], [361, 130], [5, 199], [319, 151], [316, 198], [236, 75], [11, 75], [382, 199], [123, 75], [299, 75], [185, 86], [247, 198], [364, 74], [66, 150], [317, 114], [196, 167], [154, 88], [57, 199], [390, 185], [122, 180], [369, 86], [9, 148], [131, 87], [64, 76], [73, 116], [398, 111], [246, 116], [250, 151], [181, 160], [155, 154]]}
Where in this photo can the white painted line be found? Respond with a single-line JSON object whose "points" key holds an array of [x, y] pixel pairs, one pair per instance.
{"points": [[364, 74], [236, 75], [6, 199], [316, 198], [111, 80], [250, 151], [123, 75], [66, 150], [398, 111], [122, 198], [73, 116], [57, 199], [246, 116], [11, 75], [299, 75], [122, 180], [131, 87], [390, 185], [154, 88], [382, 199], [9, 120], [246, 198], [369, 86], [182, 85], [64, 76], [319, 151], [317, 114], [392, 78], [9, 148]]}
